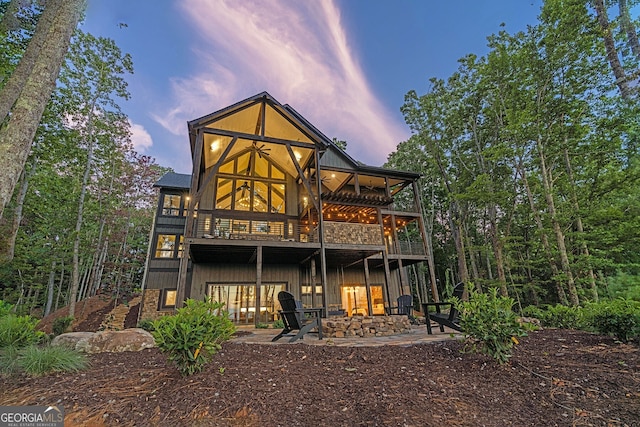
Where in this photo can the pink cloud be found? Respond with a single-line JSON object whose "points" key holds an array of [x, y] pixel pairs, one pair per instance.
{"points": [[296, 51]]}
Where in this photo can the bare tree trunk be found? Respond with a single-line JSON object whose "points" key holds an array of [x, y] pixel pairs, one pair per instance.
{"points": [[17, 214], [497, 249], [472, 261], [583, 245], [16, 137], [428, 234], [21, 73], [610, 46], [50, 288], [562, 249], [60, 283], [562, 296], [97, 281], [75, 276], [458, 233], [628, 27]]}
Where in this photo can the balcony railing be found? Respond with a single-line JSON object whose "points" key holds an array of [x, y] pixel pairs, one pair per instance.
{"points": [[210, 226], [408, 248]]}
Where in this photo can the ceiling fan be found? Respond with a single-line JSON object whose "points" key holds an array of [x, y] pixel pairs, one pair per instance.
{"points": [[261, 150], [370, 188]]}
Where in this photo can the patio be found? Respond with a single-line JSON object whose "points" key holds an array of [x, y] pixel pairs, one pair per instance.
{"points": [[417, 335]]}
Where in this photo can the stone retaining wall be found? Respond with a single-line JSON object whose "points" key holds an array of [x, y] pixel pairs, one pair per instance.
{"points": [[365, 326]]}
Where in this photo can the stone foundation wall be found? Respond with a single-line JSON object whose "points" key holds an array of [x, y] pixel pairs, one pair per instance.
{"points": [[352, 234], [149, 307], [365, 326]]}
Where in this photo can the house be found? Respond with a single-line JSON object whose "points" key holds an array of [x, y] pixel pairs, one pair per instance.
{"points": [[273, 204]]}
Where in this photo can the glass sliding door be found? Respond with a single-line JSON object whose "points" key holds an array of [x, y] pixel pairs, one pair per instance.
{"points": [[240, 301]]}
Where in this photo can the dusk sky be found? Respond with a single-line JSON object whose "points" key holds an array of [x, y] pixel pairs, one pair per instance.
{"points": [[345, 65]]}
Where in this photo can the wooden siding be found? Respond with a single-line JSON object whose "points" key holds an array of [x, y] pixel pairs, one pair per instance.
{"points": [[332, 159], [205, 274], [162, 279]]}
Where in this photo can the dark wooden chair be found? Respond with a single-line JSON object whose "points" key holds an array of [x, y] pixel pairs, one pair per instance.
{"points": [[405, 306], [450, 318], [296, 318]]}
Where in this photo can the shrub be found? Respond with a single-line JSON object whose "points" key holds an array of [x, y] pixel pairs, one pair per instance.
{"points": [[5, 308], [262, 325], [38, 361], [619, 317], [18, 331], [61, 324], [562, 316], [193, 334], [278, 324], [490, 324], [146, 324]]}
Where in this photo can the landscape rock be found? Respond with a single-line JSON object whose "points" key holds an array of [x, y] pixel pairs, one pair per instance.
{"points": [[134, 339], [75, 340]]}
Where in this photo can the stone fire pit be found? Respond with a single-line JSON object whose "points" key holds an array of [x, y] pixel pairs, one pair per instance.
{"points": [[365, 326]]}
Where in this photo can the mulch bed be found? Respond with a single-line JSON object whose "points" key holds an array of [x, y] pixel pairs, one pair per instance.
{"points": [[555, 378]]}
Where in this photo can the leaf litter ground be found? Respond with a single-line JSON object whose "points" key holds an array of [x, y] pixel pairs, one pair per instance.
{"points": [[555, 378]]}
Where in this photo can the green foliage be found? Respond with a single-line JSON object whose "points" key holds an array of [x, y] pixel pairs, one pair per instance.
{"points": [[262, 325], [5, 308], [490, 324], [19, 331], [61, 324], [619, 317], [147, 325], [193, 334], [39, 361], [624, 285], [278, 324], [561, 316], [9, 360]]}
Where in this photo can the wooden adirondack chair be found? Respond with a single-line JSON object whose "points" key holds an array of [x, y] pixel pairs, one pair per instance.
{"points": [[405, 306], [296, 318], [449, 319]]}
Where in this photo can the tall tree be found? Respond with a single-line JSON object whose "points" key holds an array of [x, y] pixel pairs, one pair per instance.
{"points": [[16, 137], [93, 78]]}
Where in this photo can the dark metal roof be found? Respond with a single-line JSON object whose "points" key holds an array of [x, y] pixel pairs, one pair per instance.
{"points": [[180, 181]]}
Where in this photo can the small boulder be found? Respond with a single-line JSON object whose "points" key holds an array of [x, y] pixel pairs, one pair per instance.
{"points": [[74, 340], [134, 339]]}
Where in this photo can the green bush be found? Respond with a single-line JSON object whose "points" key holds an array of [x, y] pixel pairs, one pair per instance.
{"points": [[193, 334], [61, 324], [490, 324], [624, 285], [562, 316], [262, 325], [19, 331], [5, 308], [39, 361], [619, 317], [278, 324], [146, 324]]}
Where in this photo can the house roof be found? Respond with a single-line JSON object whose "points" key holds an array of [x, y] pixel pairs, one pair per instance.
{"points": [[178, 181], [260, 123]]}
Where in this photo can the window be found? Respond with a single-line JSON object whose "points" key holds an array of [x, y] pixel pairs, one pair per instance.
{"points": [[250, 182], [168, 298], [174, 205], [166, 246], [171, 204]]}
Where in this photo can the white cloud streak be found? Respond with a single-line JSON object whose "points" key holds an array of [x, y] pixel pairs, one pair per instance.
{"points": [[140, 138], [295, 50]]}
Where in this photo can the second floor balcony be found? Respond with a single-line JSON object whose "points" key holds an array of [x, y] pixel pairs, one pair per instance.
{"points": [[208, 225]]}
